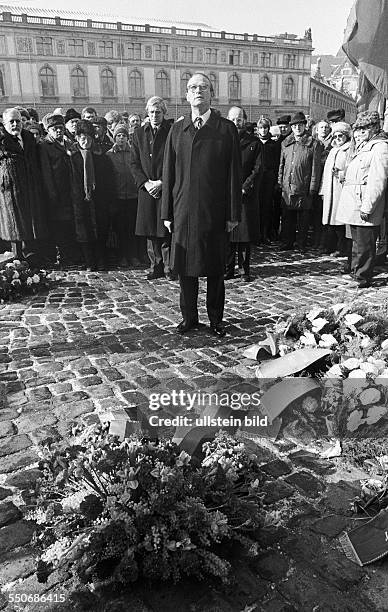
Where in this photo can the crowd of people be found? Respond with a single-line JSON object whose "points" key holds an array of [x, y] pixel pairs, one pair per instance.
{"points": [[77, 187]]}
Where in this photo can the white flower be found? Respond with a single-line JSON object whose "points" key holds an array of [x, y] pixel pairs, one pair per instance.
{"points": [[16, 262], [16, 274], [369, 368], [334, 372], [355, 420], [308, 339], [353, 318], [365, 342], [314, 312], [351, 364], [29, 281], [319, 324], [36, 278], [16, 282], [9, 264], [327, 341], [369, 396], [357, 374], [336, 308]]}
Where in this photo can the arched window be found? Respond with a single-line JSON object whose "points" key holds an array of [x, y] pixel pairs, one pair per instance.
{"points": [[213, 81], [162, 84], [47, 81], [108, 83], [325, 98], [313, 95], [185, 78], [234, 87], [289, 89], [265, 88], [2, 86], [135, 84], [78, 83]]}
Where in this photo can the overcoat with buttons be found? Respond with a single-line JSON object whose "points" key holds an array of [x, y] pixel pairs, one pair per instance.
{"points": [[202, 189], [146, 163]]}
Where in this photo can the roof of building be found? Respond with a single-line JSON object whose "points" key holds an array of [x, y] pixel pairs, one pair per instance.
{"points": [[95, 16]]}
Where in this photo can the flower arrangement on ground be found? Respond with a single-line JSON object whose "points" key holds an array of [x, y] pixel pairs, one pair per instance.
{"points": [[110, 512], [18, 279]]}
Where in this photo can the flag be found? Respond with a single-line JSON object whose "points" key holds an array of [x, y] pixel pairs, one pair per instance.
{"points": [[366, 44]]}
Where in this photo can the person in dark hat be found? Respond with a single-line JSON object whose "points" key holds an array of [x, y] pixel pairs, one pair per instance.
{"points": [[284, 126], [71, 120], [101, 139], [299, 178], [56, 171], [336, 115]]}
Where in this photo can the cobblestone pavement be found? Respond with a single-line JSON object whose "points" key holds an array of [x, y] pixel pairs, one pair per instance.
{"points": [[103, 341]]}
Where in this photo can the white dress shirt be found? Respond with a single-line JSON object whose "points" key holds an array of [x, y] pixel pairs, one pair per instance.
{"points": [[204, 117]]}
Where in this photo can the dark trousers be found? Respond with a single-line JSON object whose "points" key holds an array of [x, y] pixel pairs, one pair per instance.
{"points": [[243, 250], [293, 220], [265, 195], [63, 239], [159, 253], [215, 298], [123, 224], [277, 212], [363, 250], [316, 219]]}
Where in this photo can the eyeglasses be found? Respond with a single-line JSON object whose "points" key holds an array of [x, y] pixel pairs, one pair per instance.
{"points": [[193, 88]]}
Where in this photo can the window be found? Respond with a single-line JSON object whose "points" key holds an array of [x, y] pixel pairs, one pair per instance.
{"points": [[162, 85], [108, 83], [223, 57], [275, 60], [135, 84], [265, 60], [234, 87], [234, 58], [44, 45], [255, 58], [185, 78], [199, 55], [134, 51], [76, 47], [2, 86], [91, 47], [24, 45], [313, 95], [289, 61], [148, 52], [245, 58], [289, 89], [187, 54], [213, 81], [105, 49], [161, 53], [265, 88], [47, 81], [61, 47], [78, 83], [211, 56]]}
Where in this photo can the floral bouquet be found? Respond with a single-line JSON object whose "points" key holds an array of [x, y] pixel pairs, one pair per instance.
{"points": [[17, 279]]}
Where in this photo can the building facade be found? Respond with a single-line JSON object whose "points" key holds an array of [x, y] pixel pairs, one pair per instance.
{"points": [[325, 97], [55, 61]]}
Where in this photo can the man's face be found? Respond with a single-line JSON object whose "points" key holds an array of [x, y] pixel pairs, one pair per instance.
{"points": [[99, 131], [56, 132], [323, 129], [237, 116], [155, 114], [84, 141], [121, 139], [284, 129], [71, 125], [134, 121], [13, 122], [298, 129], [198, 93], [89, 116]]}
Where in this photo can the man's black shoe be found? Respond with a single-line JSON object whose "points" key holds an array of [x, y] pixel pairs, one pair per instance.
{"points": [[171, 277], [154, 275], [218, 329], [228, 275], [246, 278], [364, 284], [185, 326]]}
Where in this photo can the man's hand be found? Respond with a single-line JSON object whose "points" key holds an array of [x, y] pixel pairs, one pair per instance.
{"points": [[154, 188], [364, 216], [230, 225], [168, 225]]}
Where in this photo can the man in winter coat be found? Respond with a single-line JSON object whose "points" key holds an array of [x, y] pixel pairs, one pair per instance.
{"points": [[56, 171], [363, 197], [201, 201], [22, 213], [299, 177], [147, 166], [248, 230]]}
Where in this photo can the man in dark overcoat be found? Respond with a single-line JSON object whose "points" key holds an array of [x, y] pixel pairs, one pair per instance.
{"points": [[147, 166], [54, 152], [247, 230], [201, 201], [22, 214]]}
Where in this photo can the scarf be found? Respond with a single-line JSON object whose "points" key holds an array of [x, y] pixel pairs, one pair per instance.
{"points": [[89, 178]]}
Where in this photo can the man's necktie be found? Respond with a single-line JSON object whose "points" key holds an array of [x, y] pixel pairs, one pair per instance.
{"points": [[198, 123]]}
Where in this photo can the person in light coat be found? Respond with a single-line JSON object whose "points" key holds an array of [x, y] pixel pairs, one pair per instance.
{"points": [[332, 181], [363, 197]]}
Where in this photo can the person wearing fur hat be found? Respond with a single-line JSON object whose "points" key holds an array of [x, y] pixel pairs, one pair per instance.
{"points": [[102, 142], [299, 178], [335, 115], [363, 196], [56, 172], [124, 205], [284, 126], [332, 181], [71, 120]]}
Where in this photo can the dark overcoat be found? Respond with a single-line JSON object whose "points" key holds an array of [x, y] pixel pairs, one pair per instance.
{"points": [[202, 189], [56, 173], [300, 169], [248, 228], [85, 218], [147, 164], [22, 211]]}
